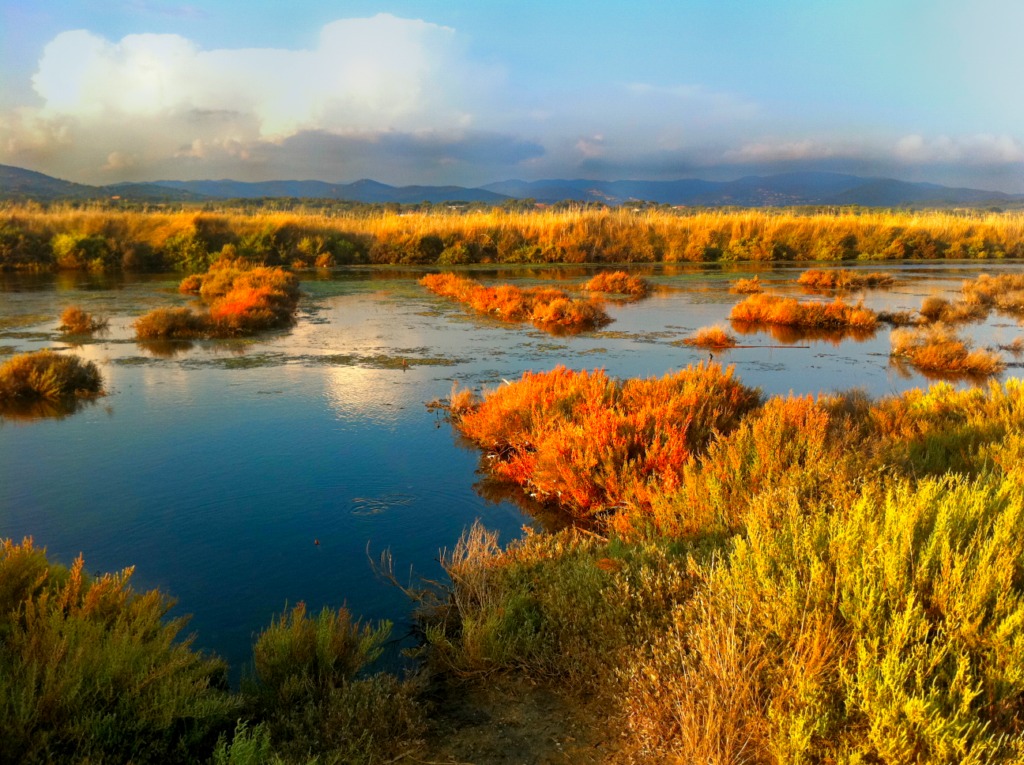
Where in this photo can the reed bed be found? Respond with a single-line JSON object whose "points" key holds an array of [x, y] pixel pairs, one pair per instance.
{"points": [[103, 239], [747, 286], [772, 309], [618, 283], [713, 338], [937, 348], [241, 300], [548, 308], [74, 320], [842, 279], [48, 375]]}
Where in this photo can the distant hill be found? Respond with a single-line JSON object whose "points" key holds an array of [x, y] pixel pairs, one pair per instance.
{"points": [[787, 189], [360, 191]]}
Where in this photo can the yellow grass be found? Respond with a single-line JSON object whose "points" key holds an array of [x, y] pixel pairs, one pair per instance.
{"points": [[772, 309], [711, 337], [938, 349]]}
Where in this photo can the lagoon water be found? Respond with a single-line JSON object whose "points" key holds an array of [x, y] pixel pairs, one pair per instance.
{"points": [[241, 476]]}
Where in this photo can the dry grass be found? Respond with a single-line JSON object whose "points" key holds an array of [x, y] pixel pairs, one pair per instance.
{"points": [[49, 376], [76, 321], [772, 309], [98, 238], [747, 286], [938, 349], [937, 309], [842, 279], [548, 308], [242, 299], [715, 338], [618, 283]]}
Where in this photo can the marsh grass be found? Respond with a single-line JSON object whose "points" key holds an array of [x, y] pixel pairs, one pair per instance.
{"points": [[815, 279], [241, 299], [937, 348], [546, 307], [747, 286], [97, 238], [48, 375], [715, 338], [618, 283], [772, 309], [76, 321]]}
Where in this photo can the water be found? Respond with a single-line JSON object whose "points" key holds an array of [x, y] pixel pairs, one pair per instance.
{"points": [[215, 467]]}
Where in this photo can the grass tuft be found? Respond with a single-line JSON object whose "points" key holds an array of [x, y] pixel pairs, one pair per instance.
{"points": [[48, 375], [76, 321], [938, 349]]}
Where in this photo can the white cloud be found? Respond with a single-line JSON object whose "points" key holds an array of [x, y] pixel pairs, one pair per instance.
{"points": [[982, 149], [376, 73]]}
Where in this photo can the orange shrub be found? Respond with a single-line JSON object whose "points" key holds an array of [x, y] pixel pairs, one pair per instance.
{"points": [[938, 349], [77, 321], [547, 307], [592, 444], [746, 286], [842, 279], [618, 283], [935, 308], [772, 309], [711, 337]]}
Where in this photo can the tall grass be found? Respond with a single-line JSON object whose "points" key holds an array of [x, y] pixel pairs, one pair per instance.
{"points": [[66, 237], [548, 308], [618, 283], [772, 309], [715, 338], [48, 375], [842, 279], [242, 299], [937, 348]]}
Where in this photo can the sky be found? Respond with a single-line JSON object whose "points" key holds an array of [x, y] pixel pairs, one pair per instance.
{"points": [[470, 92]]}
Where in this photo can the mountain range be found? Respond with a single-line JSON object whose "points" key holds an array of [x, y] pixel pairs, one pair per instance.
{"points": [[788, 189]]}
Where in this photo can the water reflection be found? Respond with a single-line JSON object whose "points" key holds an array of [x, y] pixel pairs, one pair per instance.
{"points": [[790, 335], [42, 409], [165, 349]]}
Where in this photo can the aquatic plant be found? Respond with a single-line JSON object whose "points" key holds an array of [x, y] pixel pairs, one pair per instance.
{"points": [[938, 309], [746, 286], [546, 307], [76, 321], [842, 279], [772, 309], [48, 375], [242, 299], [937, 348], [618, 283], [591, 444], [711, 337]]}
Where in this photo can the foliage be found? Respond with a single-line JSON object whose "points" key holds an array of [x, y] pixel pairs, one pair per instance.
{"points": [[711, 337], [92, 671], [548, 308], [186, 240], [242, 299], [772, 309], [48, 375], [747, 286], [618, 283], [842, 279], [306, 688], [591, 444], [77, 321], [937, 348]]}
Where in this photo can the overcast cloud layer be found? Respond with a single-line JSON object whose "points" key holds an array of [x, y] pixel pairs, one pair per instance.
{"points": [[410, 100]]}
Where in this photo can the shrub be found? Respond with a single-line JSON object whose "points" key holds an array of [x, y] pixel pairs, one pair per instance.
{"points": [[746, 286], [842, 279], [77, 321], [618, 283], [715, 338], [307, 689], [771, 309], [938, 349], [48, 375], [547, 308], [168, 323], [93, 671]]}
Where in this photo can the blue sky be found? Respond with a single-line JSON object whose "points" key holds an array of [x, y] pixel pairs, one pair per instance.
{"points": [[470, 92]]}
